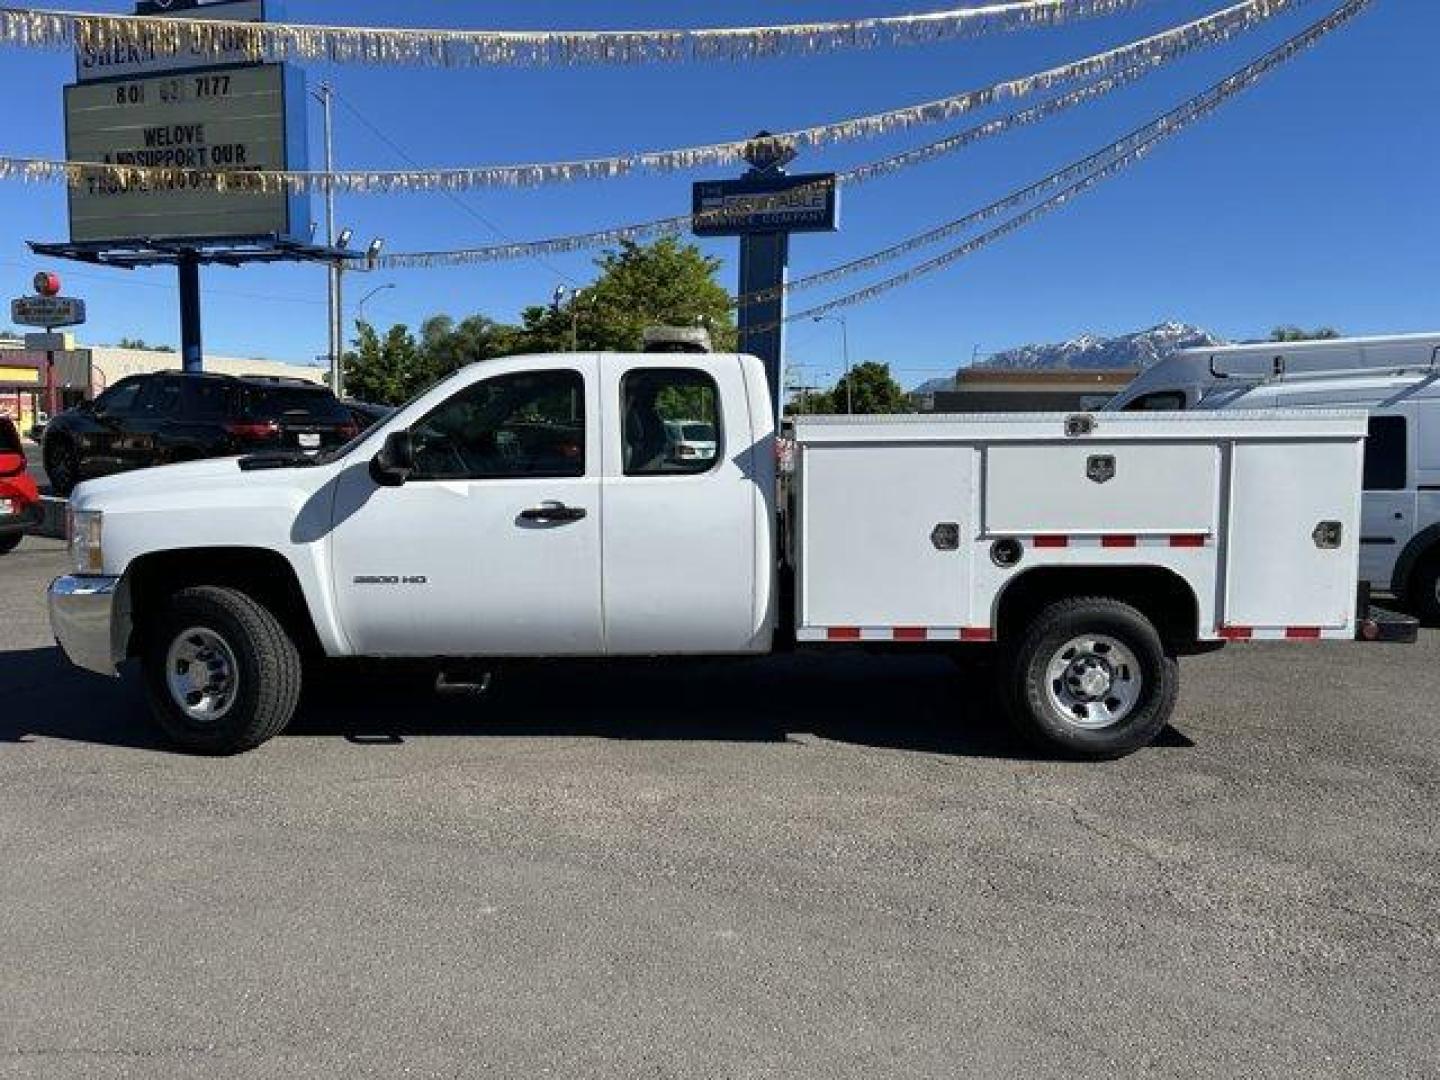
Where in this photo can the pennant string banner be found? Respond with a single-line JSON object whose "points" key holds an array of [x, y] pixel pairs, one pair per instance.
{"points": [[59, 29], [1120, 155], [874, 170], [1152, 51]]}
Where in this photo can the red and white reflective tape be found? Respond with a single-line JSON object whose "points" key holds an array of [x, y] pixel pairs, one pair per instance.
{"points": [[1283, 633], [912, 634], [1120, 541]]}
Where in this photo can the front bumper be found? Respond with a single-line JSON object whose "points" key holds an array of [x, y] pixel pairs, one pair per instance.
{"points": [[86, 619]]}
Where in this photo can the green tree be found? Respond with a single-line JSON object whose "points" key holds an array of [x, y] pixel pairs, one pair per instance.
{"points": [[1296, 333], [140, 345], [868, 389], [389, 370], [448, 346], [667, 283]]}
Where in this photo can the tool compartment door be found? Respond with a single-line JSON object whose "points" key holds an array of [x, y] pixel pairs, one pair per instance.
{"points": [[868, 517], [1092, 488], [1276, 574]]}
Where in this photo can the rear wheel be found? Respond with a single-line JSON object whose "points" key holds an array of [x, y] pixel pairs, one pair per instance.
{"points": [[62, 466], [1090, 679], [1424, 592], [222, 675]]}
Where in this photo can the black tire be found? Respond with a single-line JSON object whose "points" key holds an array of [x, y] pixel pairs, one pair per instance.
{"points": [[1423, 594], [268, 671], [62, 467], [10, 541], [1036, 703]]}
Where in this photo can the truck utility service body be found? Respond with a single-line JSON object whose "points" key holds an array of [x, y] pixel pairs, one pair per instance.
{"points": [[1396, 380], [529, 508]]}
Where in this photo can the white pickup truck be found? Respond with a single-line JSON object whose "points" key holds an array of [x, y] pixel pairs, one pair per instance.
{"points": [[534, 507]]}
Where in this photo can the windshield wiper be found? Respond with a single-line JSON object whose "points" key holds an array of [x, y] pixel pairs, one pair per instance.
{"points": [[279, 459]]}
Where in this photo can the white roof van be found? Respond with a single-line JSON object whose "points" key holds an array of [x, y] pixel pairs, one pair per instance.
{"points": [[1180, 381]]}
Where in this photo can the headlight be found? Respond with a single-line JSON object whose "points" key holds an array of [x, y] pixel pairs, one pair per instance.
{"points": [[84, 529]]}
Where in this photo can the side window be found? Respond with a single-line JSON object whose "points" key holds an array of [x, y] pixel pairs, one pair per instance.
{"points": [[158, 398], [207, 399], [119, 400], [531, 424], [671, 419], [1386, 459], [1164, 401]]}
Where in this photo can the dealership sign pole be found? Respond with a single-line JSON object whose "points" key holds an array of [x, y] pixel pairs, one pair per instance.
{"points": [[763, 207], [137, 103]]}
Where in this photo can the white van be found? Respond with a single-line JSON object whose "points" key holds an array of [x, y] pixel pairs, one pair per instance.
{"points": [[1396, 379], [1181, 380]]}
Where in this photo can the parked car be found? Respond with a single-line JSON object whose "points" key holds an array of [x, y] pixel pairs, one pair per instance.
{"points": [[367, 415], [19, 499], [526, 508], [690, 440], [169, 418]]}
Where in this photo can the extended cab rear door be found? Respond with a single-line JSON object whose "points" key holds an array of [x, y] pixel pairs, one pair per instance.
{"points": [[685, 529]]}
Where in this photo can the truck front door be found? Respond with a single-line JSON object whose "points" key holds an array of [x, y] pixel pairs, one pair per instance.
{"points": [[492, 547]]}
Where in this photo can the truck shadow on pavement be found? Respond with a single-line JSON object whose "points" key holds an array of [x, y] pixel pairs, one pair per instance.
{"points": [[923, 704]]}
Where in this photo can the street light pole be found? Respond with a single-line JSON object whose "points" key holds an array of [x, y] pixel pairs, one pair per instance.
{"points": [[326, 96], [845, 348], [360, 307], [557, 301]]}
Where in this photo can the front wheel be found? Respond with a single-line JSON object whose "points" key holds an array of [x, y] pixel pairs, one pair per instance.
{"points": [[1424, 592], [62, 466], [222, 675], [1090, 679]]}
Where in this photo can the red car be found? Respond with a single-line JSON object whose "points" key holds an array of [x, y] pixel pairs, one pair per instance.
{"points": [[19, 501]]}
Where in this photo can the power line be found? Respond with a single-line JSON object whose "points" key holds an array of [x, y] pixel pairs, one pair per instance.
{"points": [[454, 198], [1171, 123], [1163, 47]]}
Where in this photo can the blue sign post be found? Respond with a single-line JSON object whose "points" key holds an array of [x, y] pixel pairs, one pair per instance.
{"points": [[763, 208]]}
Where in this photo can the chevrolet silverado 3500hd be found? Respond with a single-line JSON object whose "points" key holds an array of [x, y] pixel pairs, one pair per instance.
{"points": [[534, 507]]}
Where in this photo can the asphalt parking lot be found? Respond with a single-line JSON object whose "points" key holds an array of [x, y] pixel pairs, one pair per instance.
{"points": [[799, 867]]}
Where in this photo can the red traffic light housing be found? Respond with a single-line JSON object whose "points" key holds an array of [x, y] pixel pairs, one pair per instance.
{"points": [[47, 283]]}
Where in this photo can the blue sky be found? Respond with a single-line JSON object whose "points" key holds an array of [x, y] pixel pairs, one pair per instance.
{"points": [[1311, 199]]}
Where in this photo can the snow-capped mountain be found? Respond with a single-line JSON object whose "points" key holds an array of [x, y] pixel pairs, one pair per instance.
{"points": [[1090, 351]]}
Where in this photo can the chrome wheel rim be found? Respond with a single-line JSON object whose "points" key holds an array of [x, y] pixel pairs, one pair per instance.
{"points": [[202, 675], [1094, 681]]}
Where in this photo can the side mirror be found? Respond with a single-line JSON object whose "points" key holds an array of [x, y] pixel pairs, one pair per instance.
{"points": [[392, 466]]}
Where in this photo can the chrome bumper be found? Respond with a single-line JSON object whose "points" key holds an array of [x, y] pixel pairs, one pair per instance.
{"points": [[83, 620]]}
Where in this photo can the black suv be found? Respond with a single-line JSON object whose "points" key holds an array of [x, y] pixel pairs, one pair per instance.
{"points": [[170, 417]]}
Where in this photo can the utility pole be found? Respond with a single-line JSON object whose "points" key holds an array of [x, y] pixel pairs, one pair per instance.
{"points": [[326, 96]]}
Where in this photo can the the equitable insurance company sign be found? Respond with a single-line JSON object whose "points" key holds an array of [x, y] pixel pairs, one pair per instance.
{"points": [[121, 60], [246, 118]]}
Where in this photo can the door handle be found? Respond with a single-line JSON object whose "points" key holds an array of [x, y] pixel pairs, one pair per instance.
{"points": [[554, 513]]}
